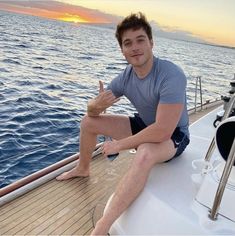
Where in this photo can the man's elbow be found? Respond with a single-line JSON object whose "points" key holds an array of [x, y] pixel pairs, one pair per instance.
{"points": [[165, 135], [164, 138]]}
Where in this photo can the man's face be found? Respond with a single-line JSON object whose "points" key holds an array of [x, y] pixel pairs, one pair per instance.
{"points": [[136, 47]]}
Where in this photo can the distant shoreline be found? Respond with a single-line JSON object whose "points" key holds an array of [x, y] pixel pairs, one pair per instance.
{"points": [[213, 45], [113, 25], [208, 44]]}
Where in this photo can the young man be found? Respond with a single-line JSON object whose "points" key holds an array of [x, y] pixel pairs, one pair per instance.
{"points": [[159, 130]]}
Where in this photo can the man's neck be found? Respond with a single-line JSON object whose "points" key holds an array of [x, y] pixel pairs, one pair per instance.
{"points": [[143, 70]]}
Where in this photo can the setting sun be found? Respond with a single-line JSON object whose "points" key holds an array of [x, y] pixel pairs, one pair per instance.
{"points": [[73, 18]]}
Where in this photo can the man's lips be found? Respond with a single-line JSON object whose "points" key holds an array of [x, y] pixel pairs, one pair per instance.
{"points": [[136, 55]]}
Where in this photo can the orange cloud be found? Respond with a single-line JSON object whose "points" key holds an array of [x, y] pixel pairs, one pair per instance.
{"points": [[58, 10]]}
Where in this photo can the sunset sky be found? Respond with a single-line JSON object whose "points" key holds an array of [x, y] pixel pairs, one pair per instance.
{"points": [[209, 20]]}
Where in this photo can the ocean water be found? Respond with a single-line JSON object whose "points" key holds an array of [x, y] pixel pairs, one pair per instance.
{"points": [[48, 71]]}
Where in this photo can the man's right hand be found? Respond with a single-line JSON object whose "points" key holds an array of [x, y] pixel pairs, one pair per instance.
{"points": [[104, 100]]}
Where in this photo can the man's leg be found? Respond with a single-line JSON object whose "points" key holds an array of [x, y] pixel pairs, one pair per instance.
{"points": [[133, 182], [113, 126]]}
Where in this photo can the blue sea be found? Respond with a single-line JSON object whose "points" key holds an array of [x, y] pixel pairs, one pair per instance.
{"points": [[48, 71]]}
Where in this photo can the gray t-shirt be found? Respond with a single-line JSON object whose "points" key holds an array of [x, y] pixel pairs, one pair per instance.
{"points": [[165, 84]]}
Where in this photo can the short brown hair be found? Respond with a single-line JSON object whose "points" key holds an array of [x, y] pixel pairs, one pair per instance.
{"points": [[134, 21]]}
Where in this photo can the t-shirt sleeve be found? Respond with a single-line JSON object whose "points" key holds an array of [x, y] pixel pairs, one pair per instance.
{"points": [[173, 88], [117, 85]]}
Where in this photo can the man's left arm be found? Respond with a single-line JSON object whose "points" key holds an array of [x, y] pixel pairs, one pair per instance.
{"points": [[167, 118]]}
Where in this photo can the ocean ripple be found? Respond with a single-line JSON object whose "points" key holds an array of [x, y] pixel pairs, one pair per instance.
{"points": [[11, 61]]}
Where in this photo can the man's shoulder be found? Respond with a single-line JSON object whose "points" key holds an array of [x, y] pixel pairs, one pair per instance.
{"points": [[123, 77], [166, 64], [169, 67], [126, 73], [128, 69]]}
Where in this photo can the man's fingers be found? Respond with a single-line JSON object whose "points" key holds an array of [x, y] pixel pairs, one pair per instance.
{"points": [[101, 86]]}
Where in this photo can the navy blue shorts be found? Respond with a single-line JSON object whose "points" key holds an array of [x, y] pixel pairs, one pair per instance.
{"points": [[179, 139]]}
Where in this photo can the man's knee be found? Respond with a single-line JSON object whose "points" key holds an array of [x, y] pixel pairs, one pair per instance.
{"points": [[87, 123], [144, 158]]}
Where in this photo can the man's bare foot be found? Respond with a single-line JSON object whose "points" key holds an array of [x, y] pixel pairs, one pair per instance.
{"points": [[100, 229], [72, 174]]}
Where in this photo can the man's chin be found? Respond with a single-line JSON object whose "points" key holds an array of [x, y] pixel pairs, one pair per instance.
{"points": [[135, 61], [137, 64]]}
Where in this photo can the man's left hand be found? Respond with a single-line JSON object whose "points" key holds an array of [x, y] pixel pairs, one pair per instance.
{"points": [[111, 147]]}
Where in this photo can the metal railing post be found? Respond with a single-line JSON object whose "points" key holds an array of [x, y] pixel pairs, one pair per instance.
{"points": [[200, 83], [223, 181], [198, 80], [228, 166]]}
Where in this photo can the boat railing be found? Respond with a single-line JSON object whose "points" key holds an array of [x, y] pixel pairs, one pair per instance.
{"points": [[228, 166], [198, 87], [213, 213], [227, 112]]}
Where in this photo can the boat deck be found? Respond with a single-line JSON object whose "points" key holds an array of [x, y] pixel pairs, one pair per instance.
{"points": [[69, 207]]}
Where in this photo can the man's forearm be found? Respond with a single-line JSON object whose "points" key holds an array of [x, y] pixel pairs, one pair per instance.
{"points": [[151, 134]]}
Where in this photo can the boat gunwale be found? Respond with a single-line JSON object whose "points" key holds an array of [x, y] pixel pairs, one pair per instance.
{"points": [[41, 173]]}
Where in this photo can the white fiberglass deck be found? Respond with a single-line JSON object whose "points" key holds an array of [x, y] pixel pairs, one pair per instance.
{"points": [[167, 205]]}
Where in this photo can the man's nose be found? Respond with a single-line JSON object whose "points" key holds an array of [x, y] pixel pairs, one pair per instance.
{"points": [[135, 47]]}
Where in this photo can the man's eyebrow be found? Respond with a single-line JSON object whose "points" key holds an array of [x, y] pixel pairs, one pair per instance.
{"points": [[141, 36], [138, 37]]}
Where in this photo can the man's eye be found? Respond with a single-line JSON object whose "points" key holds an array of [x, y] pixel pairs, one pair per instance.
{"points": [[127, 44], [140, 40]]}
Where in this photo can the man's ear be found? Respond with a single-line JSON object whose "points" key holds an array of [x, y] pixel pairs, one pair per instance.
{"points": [[151, 42]]}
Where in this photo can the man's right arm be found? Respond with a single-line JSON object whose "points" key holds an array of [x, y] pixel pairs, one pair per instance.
{"points": [[100, 103]]}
